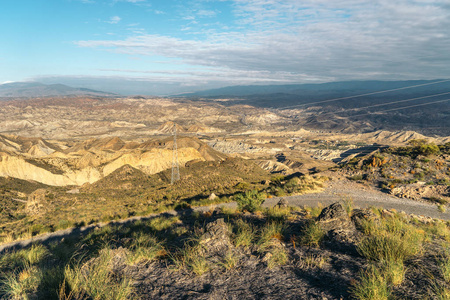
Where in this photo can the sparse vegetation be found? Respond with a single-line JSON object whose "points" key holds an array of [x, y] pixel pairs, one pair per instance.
{"points": [[99, 265]]}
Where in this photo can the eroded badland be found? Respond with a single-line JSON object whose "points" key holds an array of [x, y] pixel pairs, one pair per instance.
{"points": [[75, 161]]}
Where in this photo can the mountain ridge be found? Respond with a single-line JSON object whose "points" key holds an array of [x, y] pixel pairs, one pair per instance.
{"points": [[37, 89]]}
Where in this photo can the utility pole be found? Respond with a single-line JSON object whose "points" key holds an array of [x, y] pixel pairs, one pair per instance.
{"points": [[175, 164]]}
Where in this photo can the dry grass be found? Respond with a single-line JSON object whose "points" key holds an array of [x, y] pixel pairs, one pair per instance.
{"points": [[144, 248], [371, 286], [95, 280], [22, 284], [312, 235], [229, 261], [311, 261], [245, 234]]}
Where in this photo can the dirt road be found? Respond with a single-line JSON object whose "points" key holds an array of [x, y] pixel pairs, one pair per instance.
{"points": [[336, 191]]}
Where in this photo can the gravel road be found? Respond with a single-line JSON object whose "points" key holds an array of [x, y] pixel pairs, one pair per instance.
{"points": [[337, 190], [363, 197]]}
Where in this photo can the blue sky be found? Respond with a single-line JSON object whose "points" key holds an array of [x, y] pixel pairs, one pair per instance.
{"points": [[176, 46]]}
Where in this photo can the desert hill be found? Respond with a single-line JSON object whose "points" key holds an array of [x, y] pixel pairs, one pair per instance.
{"points": [[91, 160]]}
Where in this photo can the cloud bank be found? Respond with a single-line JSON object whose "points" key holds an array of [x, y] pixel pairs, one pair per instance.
{"points": [[312, 40]]}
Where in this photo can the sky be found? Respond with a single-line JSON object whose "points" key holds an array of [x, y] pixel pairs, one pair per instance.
{"points": [[174, 46]]}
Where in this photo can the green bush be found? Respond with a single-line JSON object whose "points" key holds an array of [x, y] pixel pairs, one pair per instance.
{"points": [[250, 200]]}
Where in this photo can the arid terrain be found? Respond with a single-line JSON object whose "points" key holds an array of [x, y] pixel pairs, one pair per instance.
{"points": [[75, 161]]}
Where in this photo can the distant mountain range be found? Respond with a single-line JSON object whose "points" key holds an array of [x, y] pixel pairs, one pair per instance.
{"points": [[294, 94], [36, 89]]}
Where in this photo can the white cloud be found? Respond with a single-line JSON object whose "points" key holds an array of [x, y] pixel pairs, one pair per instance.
{"points": [[348, 39], [206, 13], [114, 20]]}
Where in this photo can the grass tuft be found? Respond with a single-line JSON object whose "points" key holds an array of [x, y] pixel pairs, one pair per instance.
{"points": [[245, 234], [444, 267], [371, 286], [394, 271], [22, 284], [144, 248], [229, 261], [278, 257], [95, 280], [270, 231], [312, 235]]}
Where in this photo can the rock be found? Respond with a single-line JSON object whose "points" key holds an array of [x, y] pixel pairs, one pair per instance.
{"points": [[334, 217], [282, 203], [212, 196], [359, 215], [216, 240], [37, 202], [335, 221]]}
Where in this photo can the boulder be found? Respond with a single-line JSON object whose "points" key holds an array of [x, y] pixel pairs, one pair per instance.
{"points": [[212, 196], [338, 226], [335, 217], [216, 239]]}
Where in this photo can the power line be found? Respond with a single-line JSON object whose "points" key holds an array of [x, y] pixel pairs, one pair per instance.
{"points": [[367, 94], [399, 108], [384, 104], [392, 109]]}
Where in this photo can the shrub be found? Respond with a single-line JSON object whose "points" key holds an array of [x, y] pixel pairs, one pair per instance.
{"points": [[356, 177], [428, 149], [250, 200]]}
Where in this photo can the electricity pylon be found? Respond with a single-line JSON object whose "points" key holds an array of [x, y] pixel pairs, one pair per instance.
{"points": [[175, 164]]}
